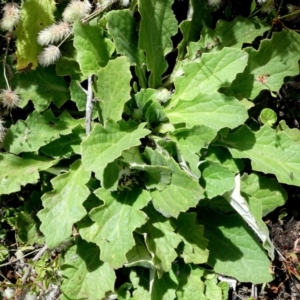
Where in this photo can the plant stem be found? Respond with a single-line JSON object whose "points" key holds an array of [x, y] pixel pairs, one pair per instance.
{"points": [[36, 258], [89, 106]]}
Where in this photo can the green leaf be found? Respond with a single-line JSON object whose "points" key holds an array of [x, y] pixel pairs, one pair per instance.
{"points": [[84, 275], [270, 152], [233, 248], [26, 223], [215, 70], [268, 191], [190, 141], [212, 290], [267, 67], [223, 157], [155, 177], [195, 245], [17, 171], [144, 98], [22, 136], [78, 95], [111, 176], [164, 288], [115, 221], [216, 179], [190, 284], [228, 34], [41, 87], [161, 240], [66, 145], [157, 26], [122, 27], [294, 133], [268, 116], [60, 210], [252, 213], [211, 110], [3, 253], [105, 144], [67, 64], [140, 282], [139, 254], [112, 93], [93, 49], [35, 16], [192, 27], [183, 187]]}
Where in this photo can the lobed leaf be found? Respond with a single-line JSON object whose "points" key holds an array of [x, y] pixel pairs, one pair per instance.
{"points": [[84, 275], [184, 188], [105, 144], [268, 191], [233, 248], [270, 152], [189, 142], [42, 87], [115, 222], [22, 137], [19, 171], [60, 210], [227, 34], [93, 49], [122, 27], [195, 245], [164, 288], [157, 26], [269, 65], [139, 255], [211, 110], [161, 240], [207, 76], [199, 15], [252, 213], [190, 284], [216, 179], [112, 88], [35, 16]]}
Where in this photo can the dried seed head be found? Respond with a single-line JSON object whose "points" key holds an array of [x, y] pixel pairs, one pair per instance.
{"points": [[77, 10], [9, 99], [11, 16], [295, 11], [54, 33], [125, 3], [266, 6], [163, 95], [49, 56], [2, 130], [214, 2], [260, 2]]}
